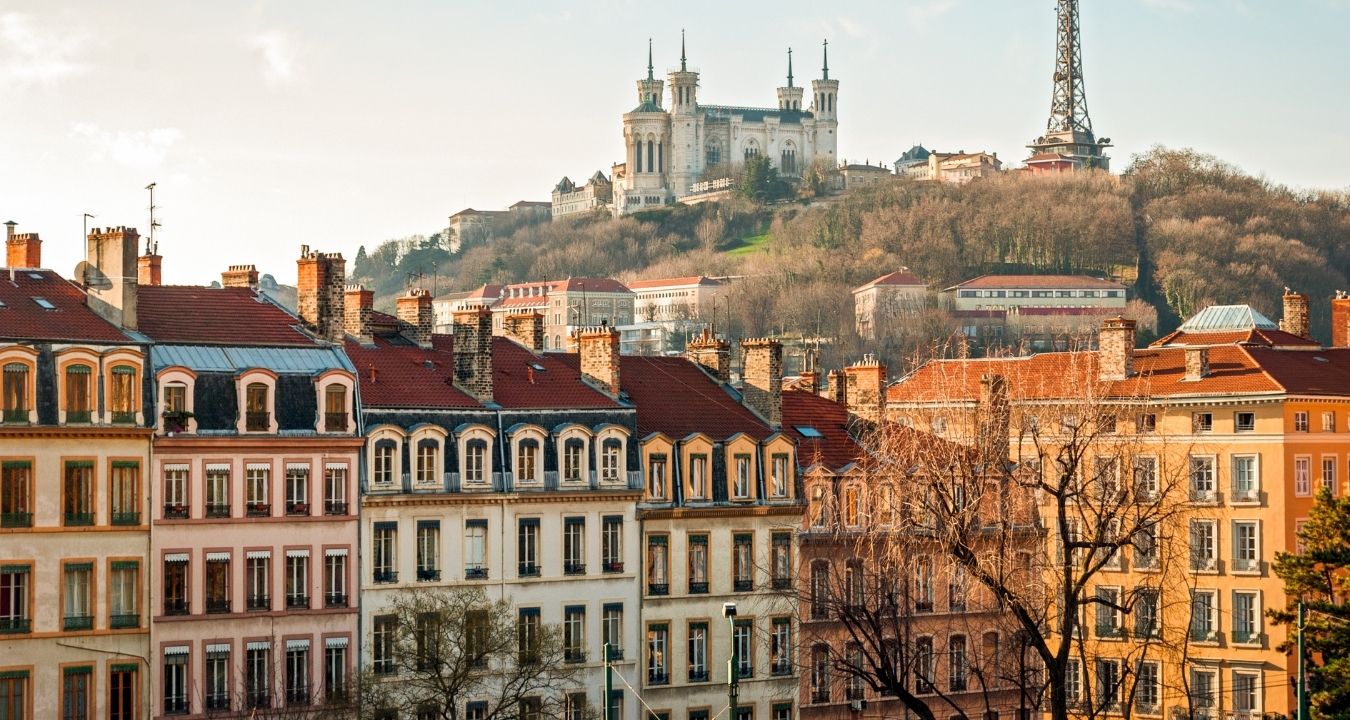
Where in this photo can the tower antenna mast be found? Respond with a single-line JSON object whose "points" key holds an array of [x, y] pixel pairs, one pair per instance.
{"points": [[1068, 102], [152, 245]]}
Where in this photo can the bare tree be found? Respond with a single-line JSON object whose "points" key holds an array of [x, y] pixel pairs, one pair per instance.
{"points": [[442, 649]]}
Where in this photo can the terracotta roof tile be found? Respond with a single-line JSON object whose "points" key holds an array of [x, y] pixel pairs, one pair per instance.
{"points": [[676, 397], [899, 277], [194, 315], [1250, 336], [1022, 282], [517, 383], [835, 448], [672, 282], [22, 318]]}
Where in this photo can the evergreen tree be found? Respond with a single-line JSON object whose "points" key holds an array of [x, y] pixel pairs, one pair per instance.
{"points": [[1320, 576], [361, 265], [760, 181]]}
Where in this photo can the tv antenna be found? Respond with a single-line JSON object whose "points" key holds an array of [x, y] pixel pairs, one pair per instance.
{"points": [[151, 245]]}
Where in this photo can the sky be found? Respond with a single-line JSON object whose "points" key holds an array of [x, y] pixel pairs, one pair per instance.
{"points": [[271, 125]]}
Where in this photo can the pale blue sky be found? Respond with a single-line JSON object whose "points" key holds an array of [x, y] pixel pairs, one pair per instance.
{"points": [[268, 125]]}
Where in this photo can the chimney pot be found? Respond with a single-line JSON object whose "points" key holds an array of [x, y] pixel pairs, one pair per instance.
{"points": [[320, 293], [415, 317], [1295, 320], [865, 381], [599, 351], [22, 250], [712, 353]]}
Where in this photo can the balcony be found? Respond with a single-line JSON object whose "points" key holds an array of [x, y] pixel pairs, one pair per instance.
{"points": [[699, 675], [79, 519], [528, 570], [658, 588], [923, 606], [77, 622], [16, 520], [259, 602], [258, 699], [1200, 634], [126, 518], [297, 508], [782, 666], [820, 696], [297, 602], [216, 510], [574, 655], [476, 572], [177, 607], [175, 706], [1246, 565], [574, 568], [614, 567], [743, 585], [1246, 637], [657, 677], [1110, 630], [78, 417], [1203, 496], [1245, 496], [853, 692], [428, 575], [1204, 564], [217, 605], [782, 583], [176, 422], [258, 509], [218, 701], [178, 511], [15, 415], [385, 576], [297, 696], [124, 621], [123, 418], [335, 422], [698, 588], [335, 600], [257, 421], [14, 625], [335, 507]]}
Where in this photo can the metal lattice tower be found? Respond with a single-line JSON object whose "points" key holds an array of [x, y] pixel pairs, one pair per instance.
{"points": [[1068, 103]]}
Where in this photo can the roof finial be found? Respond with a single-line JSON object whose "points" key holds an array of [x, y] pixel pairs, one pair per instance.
{"points": [[649, 59], [682, 67], [825, 71], [789, 67]]}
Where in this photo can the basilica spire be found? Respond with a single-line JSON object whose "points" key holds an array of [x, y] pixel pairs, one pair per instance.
{"points": [[682, 66], [649, 59], [825, 70], [789, 67]]}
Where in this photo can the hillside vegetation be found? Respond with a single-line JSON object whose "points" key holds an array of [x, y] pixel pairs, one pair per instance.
{"points": [[1184, 229]]}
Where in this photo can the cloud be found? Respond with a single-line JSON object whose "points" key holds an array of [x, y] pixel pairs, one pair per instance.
{"points": [[34, 54], [919, 12], [279, 57], [1170, 5], [132, 148]]}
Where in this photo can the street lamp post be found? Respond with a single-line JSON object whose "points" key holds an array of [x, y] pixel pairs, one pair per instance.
{"points": [[734, 664]]}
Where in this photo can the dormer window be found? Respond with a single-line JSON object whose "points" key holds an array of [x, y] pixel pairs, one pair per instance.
{"points": [[383, 471], [779, 488], [15, 392], [698, 477], [573, 452], [741, 489], [527, 461], [656, 477], [122, 394], [79, 399], [427, 451], [257, 417], [335, 408], [610, 451], [475, 462], [175, 398]]}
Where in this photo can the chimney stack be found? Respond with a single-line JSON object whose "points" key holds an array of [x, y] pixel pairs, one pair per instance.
{"points": [[358, 309], [1197, 363], [599, 350], [836, 387], [762, 378], [111, 286], [320, 292], [240, 276], [995, 418], [1295, 320], [711, 352], [1340, 320], [526, 329], [473, 352], [415, 318], [811, 381], [866, 388], [149, 269], [1115, 346], [22, 250]]}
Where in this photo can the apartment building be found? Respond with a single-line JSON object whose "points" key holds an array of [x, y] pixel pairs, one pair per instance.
{"points": [[668, 311], [886, 299], [492, 464], [566, 306], [1043, 312], [74, 538]]}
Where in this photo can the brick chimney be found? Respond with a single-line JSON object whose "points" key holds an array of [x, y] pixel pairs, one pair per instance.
{"points": [[526, 329], [473, 352], [415, 318], [1115, 349], [22, 250], [836, 387], [320, 292], [599, 350], [866, 388], [240, 276], [149, 269], [1340, 319], [112, 275], [811, 381], [995, 416], [712, 353], [1197, 363], [358, 309], [762, 378], [1295, 320]]}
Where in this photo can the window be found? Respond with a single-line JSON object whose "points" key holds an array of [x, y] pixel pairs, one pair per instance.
{"points": [[78, 494], [176, 584], [611, 629], [1145, 612], [742, 638], [78, 404], [297, 489], [658, 640], [14, 593], [852, 505], [1202, 422], [1204, 687], [698, 652], [218, 677], [741, 487], [1244, 421], [1204, 549], [16, 494], [335, 668], [257, 417], [780, 477], [956, 656], [574, 633], [1204, 609], [743, 562], [1146, 422], [820, 506], [658, 575], [384, 463], [1300, 422], [122, 394], [780, 647], [1246, 616], [78, 591], [428, 550], [425, 464], [335, 490], [257, 674], [335, 408], [958, 587], [217, 491], [527, 461], [1246, 693], [122, 691], [923, 585], [574, 546], [297, 673], [475, 549], [820, 590], [609, 460], [175, 680], [1328, 422], [475, 462], [1148, 690], [1302, 476], [698, 564], [218, 582], [1246, 480], [258, 498], [14, 393], [175, 407], [1073, 681], [385, 550], [820, 674], [527, 635], [782, 711], [1202, 478], [1146, 548], [527, 547], [258, 579], [382, 644], [124, 492], [923, 664], [1329, 474], [656, 477], [297, 579], [124, 593], [1109, 682], [573, 466], [335, 577], [698, 477], [782, 561], [1246, 551], [611, 544]]}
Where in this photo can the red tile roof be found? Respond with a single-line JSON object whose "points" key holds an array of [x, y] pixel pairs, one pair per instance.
{"points": [[899, 277], [193, 315], [22, 318], [672, 282], [1023, 282], [1249, 336], [676, 397], [836, 448]]}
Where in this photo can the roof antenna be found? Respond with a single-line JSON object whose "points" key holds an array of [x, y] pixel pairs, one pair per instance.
{"points": [[151, 246]]}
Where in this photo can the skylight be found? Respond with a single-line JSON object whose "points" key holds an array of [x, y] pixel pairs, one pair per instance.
{"points": [[808, 432], [538, 367], [44, 304], [35, 276]]}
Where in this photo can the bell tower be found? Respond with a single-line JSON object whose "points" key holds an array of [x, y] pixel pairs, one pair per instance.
{"points": [[686, 127], [646, 135], [790, 96], [825, 93]]}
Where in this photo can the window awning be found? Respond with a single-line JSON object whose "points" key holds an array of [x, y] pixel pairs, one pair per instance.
{"points": [[176, 650], [258, 645], [258, 466], [179, 467], [297, 466], [302, 553], [258, 554], [176, 558], [217, 467], [298, 644], [218, 649], [335, 552], [336, 642], [335, 466], [217, 557]]}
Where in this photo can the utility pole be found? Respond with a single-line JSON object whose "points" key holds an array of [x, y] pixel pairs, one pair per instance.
{"points": [[734, 664], [609, 684], [1302, 683]]}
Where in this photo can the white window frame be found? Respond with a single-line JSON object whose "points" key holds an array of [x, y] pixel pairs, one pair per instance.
{"points": [[1251, 493], [1246, 559], [1302, 475]]}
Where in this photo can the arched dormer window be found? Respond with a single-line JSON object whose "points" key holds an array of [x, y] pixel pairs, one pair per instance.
{"points": [[427, 462], [79, 395], [657, 477], [257, 407], [573, 460], [15, 392], [383, 468], [780, 476], [476, 462], [611, 460], [335, 408], [122, 395], [527, 461]]}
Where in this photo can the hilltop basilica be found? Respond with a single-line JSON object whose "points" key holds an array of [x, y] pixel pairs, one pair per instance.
{"points": [[667, 151]]}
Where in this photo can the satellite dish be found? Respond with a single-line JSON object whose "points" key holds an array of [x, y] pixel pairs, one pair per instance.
{"points": [[92, 277], [1106, 141]]}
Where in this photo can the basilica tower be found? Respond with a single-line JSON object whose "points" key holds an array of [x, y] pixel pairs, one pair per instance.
{"points": [[646, 134], [686, 127], [825, 92], [790, 97]]}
